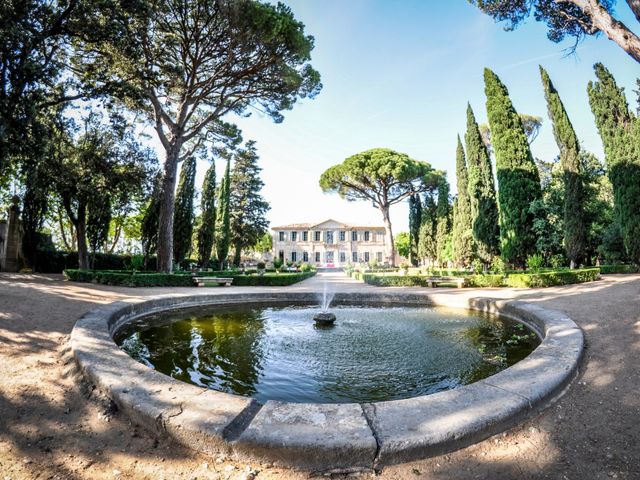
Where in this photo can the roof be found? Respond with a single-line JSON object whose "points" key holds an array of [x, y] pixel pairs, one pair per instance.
{"points": [[309, 226]]}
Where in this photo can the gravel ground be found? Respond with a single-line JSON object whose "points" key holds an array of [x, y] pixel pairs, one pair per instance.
{"points": [[53, 426]]}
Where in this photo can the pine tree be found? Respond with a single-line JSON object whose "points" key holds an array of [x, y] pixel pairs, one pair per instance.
{"points": [[183, 213], [149, 227], [415, 222], [443, 221], [462, 227], [518, 179], [223, 227], [248, 209], [207, 230], [620, 132], [482, 192], [574, 222]]}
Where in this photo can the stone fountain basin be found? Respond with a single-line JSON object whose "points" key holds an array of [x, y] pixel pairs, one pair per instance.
{"points": [[322, 437]]}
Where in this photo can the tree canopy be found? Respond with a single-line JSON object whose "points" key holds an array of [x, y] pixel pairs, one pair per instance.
{"points": [[383, 177]]}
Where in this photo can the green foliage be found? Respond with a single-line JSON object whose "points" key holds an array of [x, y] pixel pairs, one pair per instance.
{"points": [[277, 263], [150, 219], [305, 267], [557, 261], [264, 244], [620, 132], [427, 245], [486, 281], [608, 269], [482, 193], [462, 221], [535, 262], [223, 229], [127, 279], [549, 279], [394, 280], [498, 266], [183, 216], [380, 176], [207, 230], [518, 179], [575, 231], [270, 279], [415, 222], [402, 244], [248, 208], [98, 221], [477, 266]]}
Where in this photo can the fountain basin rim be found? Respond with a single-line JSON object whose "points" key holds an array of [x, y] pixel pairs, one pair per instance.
{"points": [[328, 436]]}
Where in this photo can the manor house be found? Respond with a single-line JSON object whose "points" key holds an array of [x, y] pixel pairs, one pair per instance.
{"points": [[329, 243]]}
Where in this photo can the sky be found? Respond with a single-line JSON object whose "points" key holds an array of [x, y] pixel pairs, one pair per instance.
{"points": [[399, 75]]}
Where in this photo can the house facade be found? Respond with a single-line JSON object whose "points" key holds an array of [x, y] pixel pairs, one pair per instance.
{"points": [[329, 243]]}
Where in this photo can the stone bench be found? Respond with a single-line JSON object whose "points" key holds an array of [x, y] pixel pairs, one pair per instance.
{"points": [[200, 281], [434, 281]]}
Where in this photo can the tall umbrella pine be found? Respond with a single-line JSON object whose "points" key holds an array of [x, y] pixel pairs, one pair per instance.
{"points": [[575, 237], [482, 192], [620, 133], [462, 227], [183, 214], [207, 230], [223, 228], [518, 178]]}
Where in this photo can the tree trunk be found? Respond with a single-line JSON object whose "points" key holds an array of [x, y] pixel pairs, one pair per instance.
{"points": [[81, 233], [388, 236], [237, 256], [167, 204], [615, 30]]}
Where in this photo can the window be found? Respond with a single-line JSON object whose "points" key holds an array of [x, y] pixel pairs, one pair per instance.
{"points": [[281, 255], [316, 236], [329, 237], [354, 257], [317, 257], [379, 257], [343, 256], [294, 256], [305, 236], [342, 235], [366, 257], [367, 234], [305, 256], [354, 236], [281, 236], [294, 236], [381, 236]]}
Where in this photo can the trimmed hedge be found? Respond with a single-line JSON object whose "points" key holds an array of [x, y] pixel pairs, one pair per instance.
{"points": [[549, 279], [394, 280], [516, 280], [128, 279], [618, 269]]}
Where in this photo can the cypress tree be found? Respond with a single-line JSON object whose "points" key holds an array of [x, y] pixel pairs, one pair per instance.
{"points": [[206, 232], [183, 213], [482, 192], [427, 251], [149, 227], [223, 228], [247, 207], [518, 179], [575, 235], [620, 132], [443, 221], [415, 222], [462, 227]]}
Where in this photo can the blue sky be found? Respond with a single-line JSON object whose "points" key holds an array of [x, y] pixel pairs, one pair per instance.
{"points": [[399, 75]]}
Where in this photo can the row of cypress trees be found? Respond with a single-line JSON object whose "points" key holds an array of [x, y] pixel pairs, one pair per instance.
{"points": [[232, 213], [488, 222]]}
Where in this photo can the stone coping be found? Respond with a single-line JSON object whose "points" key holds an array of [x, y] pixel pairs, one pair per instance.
{"points": [[328, 437]]}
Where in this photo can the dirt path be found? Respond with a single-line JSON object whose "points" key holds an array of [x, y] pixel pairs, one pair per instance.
{"points": [[52, 427]]}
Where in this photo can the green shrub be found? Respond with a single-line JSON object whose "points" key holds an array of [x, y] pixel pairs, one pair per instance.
{"points": [[395, 280], [305, 267], [482, 281], [261, 265], [621, 268], [535, 262], [128, 279], [477, 266], [549, 279], [558, 261], [271, 279], [498, 266]]}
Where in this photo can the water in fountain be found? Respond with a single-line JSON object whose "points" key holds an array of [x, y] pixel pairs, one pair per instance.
{"points": [[327, 297]]}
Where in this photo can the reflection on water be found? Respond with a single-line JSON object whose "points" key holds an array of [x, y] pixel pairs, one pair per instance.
{"points": [[371, 354]]}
